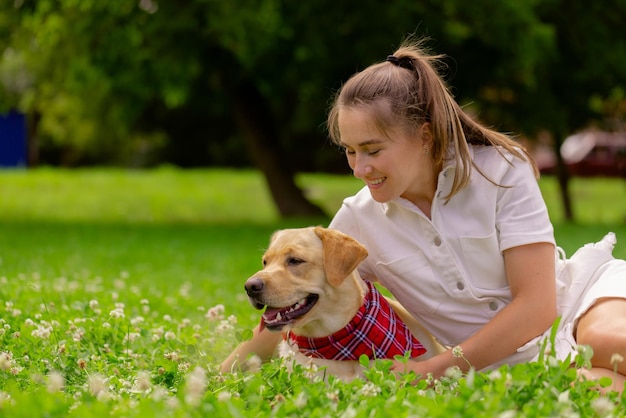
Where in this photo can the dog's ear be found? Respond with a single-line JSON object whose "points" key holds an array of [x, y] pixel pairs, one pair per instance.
{"points": [[342, 254]]}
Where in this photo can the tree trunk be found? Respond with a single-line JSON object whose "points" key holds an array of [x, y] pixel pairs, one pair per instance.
{"points": [[563, 178], [262, 139], [32, 138]]}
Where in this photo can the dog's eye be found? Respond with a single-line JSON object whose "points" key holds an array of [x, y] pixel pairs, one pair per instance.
{"points": [[264, 262], [292, 261]]}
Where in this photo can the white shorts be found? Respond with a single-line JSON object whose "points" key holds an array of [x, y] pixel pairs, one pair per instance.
{"points": [[611, 283], [589, 275]]}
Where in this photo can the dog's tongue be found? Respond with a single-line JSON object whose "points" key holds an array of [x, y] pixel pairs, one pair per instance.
{"points": [[270, 313], [276, 316]]}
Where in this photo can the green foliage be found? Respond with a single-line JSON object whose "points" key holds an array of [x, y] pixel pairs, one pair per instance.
{"points": [[125, 80], [121, 291]]}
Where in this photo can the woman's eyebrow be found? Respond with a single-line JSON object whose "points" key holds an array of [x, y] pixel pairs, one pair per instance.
{"points": [[365, 143]]}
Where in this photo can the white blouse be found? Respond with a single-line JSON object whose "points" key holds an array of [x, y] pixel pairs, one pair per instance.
{"points": [[448, 271]]}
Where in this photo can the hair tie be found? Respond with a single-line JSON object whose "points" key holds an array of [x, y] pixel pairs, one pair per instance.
{"points": [[404, 62]]}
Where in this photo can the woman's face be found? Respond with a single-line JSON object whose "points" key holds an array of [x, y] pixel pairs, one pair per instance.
{"points": [[391, 165]]}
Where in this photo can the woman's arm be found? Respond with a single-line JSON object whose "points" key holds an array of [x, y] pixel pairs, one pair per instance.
{"points": [[530, 273], [262, 344]]}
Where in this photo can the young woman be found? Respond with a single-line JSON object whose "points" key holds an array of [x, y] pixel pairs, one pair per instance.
{"points": [[457, 230]]}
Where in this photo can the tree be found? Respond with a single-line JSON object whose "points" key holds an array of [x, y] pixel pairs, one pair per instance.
{"points": [[128, 80], [558, 66]]}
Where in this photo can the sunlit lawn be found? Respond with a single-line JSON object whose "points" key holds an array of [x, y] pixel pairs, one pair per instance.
{"points": [[114, 280]]}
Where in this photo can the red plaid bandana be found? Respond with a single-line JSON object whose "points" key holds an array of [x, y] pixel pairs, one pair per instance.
{"points": [[376, 331]]}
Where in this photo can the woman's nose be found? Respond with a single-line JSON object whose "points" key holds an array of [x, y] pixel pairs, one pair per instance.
{"points": [[360, 167]]}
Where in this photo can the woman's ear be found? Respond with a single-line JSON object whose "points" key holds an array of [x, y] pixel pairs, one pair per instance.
{"points": [[426, 135]]}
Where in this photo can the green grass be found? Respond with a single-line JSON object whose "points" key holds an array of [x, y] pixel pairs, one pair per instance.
{"points": [[114, 279]]}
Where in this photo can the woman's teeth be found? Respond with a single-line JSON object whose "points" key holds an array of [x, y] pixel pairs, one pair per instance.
{"points": [[377, 181]]}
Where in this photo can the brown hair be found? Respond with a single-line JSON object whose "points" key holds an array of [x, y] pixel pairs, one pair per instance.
{"points": [[408, 89]]}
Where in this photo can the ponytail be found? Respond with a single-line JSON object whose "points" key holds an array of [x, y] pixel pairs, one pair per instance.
{"points": [[409, 82]]}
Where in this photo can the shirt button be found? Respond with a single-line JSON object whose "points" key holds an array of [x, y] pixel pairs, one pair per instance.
{"points": [[493, 305], [437, 241], [460, 285]]}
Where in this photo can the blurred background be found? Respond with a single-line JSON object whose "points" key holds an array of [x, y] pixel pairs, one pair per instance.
{"points": [[240, 83]]}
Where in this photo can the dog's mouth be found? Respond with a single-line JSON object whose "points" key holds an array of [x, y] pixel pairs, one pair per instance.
{"points": [[275, 319]]}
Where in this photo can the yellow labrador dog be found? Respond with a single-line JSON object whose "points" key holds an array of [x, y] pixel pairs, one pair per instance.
{"points": [[328, 316]]}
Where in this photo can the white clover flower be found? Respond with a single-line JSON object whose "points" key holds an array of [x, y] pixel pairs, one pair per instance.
{"points": [[224, 396], [93, 304], [6, 360], [142, 382], [55, 382], [173, 356], [137, 320], [167, 318], [453, 372], [78, 335], [333, 396], [223, 327], [172, 402], [97, 384], [215, 313], [603, 406], [43, 331], [131, 336], [169, 335], [117, 313], [311, 369], [457, 352], [370, 390], [183, 367], [159, 393], [254, 363], [185, 290], [430, 379], [5, 398], [196, 384], [616, 358]]}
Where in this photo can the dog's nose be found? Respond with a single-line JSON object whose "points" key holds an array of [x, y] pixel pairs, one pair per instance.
{"points": [[254, 286]]}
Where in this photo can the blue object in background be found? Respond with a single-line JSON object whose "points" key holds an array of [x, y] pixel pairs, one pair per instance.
{"points": [[13, 148]]}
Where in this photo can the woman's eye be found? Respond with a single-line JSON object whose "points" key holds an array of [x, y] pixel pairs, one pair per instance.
{"points": [[373, 152], [349, 152]]}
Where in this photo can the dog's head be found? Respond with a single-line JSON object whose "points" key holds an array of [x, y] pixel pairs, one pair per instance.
{"points": [[303, 270]]}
